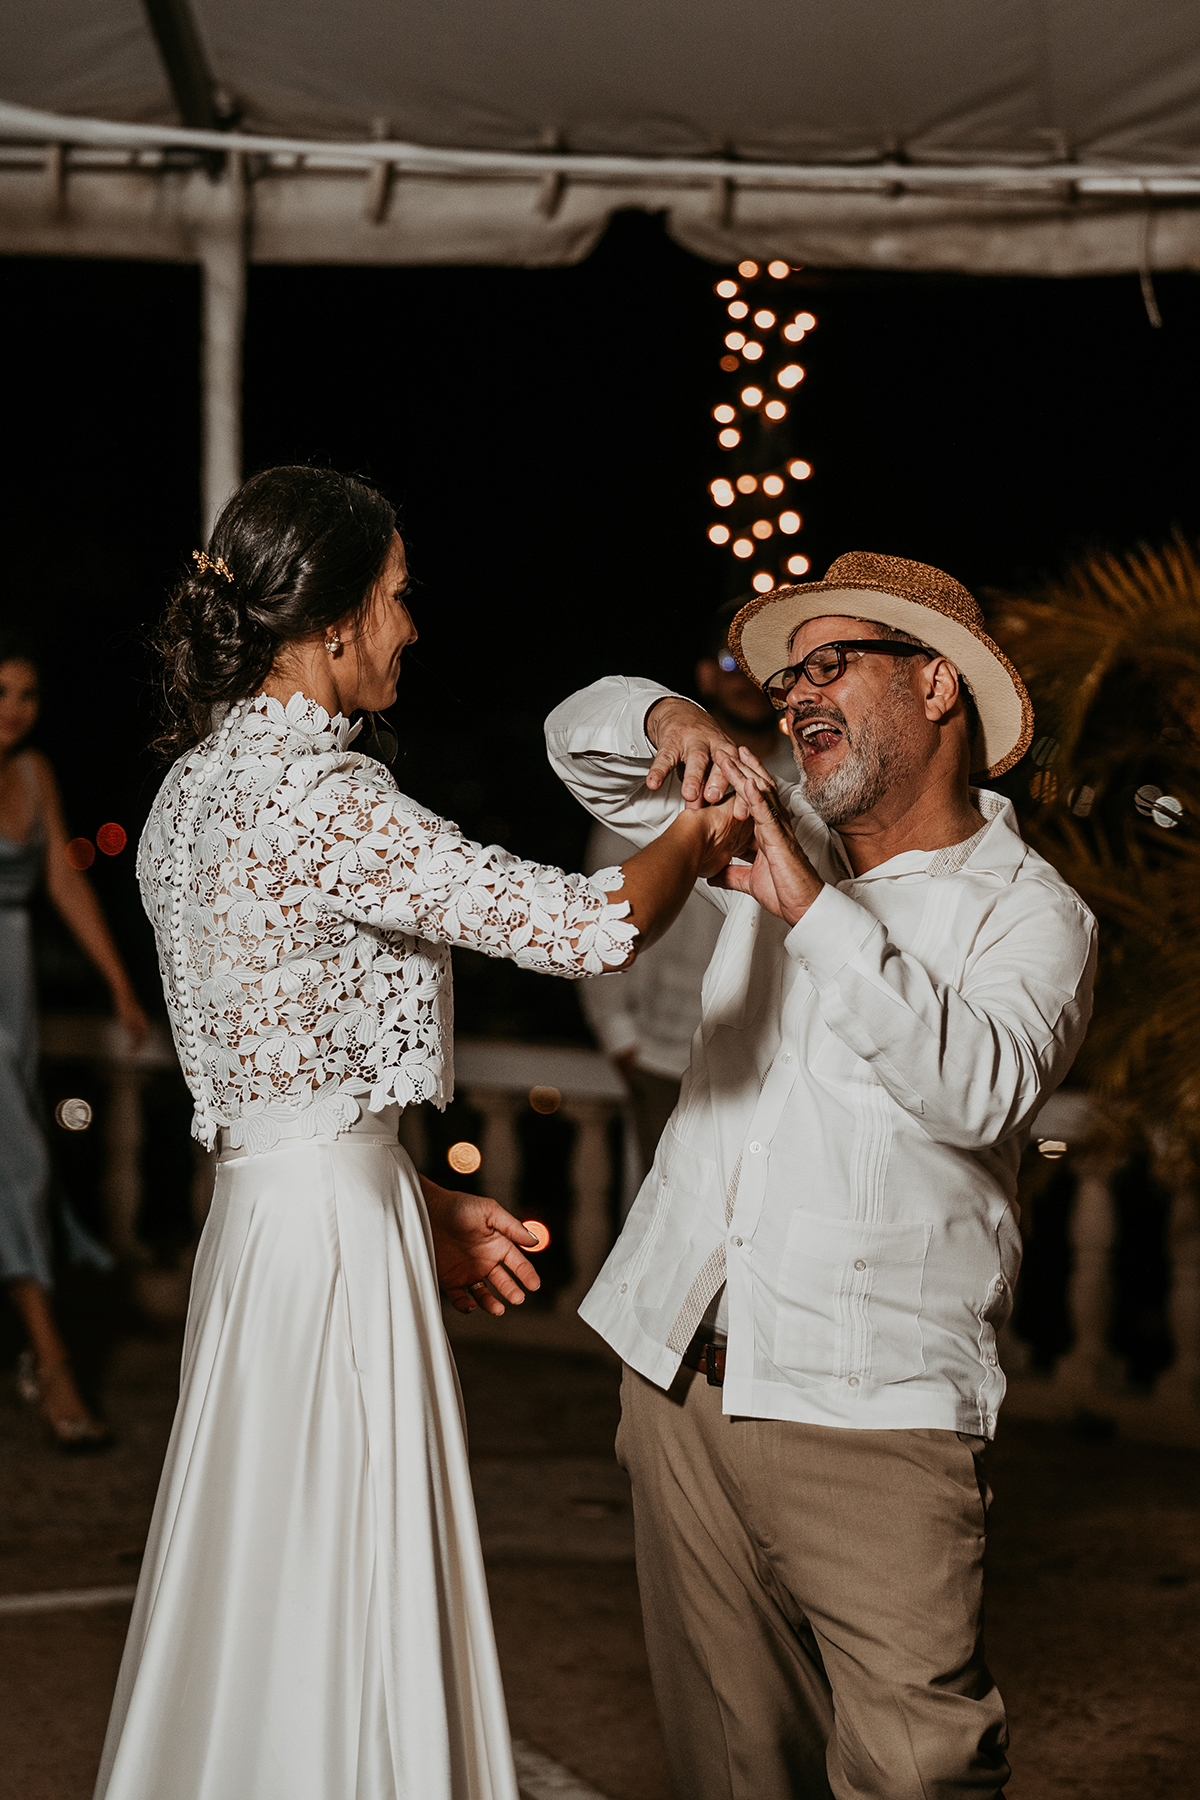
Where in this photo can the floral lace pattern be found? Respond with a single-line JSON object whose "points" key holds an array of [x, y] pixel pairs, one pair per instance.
{"points": [[318, 908]]}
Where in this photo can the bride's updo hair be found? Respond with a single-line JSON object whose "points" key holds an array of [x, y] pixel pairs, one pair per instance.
{"points": [[295, 551]]}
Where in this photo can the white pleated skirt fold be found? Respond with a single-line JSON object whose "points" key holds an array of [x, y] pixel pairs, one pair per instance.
{"points": [[312, 1619]]}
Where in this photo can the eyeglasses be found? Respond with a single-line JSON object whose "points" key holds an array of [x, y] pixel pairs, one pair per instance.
{"points": [[827, 664]]}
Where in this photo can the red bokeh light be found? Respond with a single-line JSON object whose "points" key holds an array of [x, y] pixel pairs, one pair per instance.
{"points": [[112, 839], [81, 853]]}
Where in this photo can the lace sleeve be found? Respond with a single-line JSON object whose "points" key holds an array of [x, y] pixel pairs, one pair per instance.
{"points": [[380, 859]]}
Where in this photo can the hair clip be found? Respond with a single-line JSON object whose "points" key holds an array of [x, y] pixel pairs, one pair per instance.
{"points": [[218, 565]]}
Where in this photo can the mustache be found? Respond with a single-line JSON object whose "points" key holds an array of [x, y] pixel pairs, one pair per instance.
{"points": [[832, 715]]}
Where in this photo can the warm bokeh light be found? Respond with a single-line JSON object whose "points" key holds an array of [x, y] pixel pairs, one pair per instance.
{"points": [[734, 340], [790, 377], [777, 269], [718, 534], [789, 523], [797, 565], [534, 1227], [545, 1099], [721, 492], [727, 289], [724, 414], [775, 409], [762, 528], [748, 269], [729, 364], [738, 309], [747, 484], [772, 484], [799, 471], [751, 396], [728, 438], [81, 853], [763, 583], [793, 333], [464, 1159], [805, 321], [743, 547], [112, 839], [751, 351], [764, 319]]}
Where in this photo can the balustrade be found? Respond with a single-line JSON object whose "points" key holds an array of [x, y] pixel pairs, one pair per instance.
{"points": [[495, 1079]]}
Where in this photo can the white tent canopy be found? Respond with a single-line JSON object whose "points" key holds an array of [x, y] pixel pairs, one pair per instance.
{"points": [[1044, 137]]}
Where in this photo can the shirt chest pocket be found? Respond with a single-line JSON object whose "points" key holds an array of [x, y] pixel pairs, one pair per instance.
{"points": [[849, 1300]]}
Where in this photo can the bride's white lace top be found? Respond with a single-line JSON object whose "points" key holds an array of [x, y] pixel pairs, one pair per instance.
{"points": [[303, 909]]}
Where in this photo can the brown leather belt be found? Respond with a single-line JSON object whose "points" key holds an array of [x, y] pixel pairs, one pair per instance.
{"points": [[708, 1358]]}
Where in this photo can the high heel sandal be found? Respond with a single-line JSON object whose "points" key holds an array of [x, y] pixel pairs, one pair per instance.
{"points": [[73, 1436]]}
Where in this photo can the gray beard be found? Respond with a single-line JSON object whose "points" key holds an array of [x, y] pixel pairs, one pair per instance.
{"points": [[855, 784]]}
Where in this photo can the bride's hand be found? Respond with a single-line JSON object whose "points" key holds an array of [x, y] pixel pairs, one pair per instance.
{"points": [[478, 1250]]}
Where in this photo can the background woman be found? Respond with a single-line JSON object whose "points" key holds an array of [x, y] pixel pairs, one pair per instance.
{"points": [[33, 847], [312, 1618]]}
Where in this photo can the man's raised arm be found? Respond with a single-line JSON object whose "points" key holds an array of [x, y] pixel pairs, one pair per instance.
{"points": [[634, 754]]}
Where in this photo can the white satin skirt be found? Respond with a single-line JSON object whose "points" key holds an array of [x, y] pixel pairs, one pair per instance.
{"points": [[312, 1619]]}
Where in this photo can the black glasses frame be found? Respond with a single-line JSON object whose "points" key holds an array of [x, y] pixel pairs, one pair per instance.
{"points": [[784, 680]]}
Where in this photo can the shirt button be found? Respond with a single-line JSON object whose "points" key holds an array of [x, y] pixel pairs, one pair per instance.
{"points": [[990, 1421], [853, 1382], [755, 1148], [787, 1056], [738, 1242], [624, 1287], [993, 1362], [860, 1264]]}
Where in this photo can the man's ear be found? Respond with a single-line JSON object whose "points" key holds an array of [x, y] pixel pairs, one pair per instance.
{"points": [[941, 685], [707, 672]]}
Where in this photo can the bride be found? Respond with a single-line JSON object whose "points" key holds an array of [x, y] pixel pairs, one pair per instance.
{"points": [[312, 1619]]}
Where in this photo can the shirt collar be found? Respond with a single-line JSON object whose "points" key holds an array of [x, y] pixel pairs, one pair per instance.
{"points": [[997, 848]]}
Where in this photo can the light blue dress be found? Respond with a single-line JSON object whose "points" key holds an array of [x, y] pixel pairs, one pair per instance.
{"points": [[25, 1238]]}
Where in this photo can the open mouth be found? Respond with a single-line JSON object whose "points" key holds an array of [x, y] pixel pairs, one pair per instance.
{"points": [[818, 736]]}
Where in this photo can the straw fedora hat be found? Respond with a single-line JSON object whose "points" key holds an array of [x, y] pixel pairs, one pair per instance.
{"points": [[912, 597]]}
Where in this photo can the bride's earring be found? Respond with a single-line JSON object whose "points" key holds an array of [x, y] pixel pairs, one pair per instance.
{"points": [[333, 644]]}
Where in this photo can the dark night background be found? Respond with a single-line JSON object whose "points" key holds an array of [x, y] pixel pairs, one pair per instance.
{"points": [[547, 435]]}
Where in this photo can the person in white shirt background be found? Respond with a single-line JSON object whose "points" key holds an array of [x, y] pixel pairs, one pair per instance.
{"points": [[829, 1230], [645, 1017]]}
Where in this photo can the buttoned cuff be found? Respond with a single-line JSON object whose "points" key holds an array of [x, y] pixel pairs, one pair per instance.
{"points": [[831, 933]]}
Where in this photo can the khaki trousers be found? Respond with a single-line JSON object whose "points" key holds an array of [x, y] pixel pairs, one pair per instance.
{"points": [[813, 1603]]}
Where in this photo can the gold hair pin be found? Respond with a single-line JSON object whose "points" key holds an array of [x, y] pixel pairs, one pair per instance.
{"points": [[218, 566]]}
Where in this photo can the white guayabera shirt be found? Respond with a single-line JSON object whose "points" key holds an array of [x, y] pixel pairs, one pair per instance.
{"points": [[319, 904], [844, 1154]]}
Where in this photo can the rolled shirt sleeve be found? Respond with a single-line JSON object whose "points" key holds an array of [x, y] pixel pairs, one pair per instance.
{"points": [[597, 745]]}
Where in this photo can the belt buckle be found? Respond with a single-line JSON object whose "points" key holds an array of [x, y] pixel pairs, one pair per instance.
{"points": [[714, 1372]]}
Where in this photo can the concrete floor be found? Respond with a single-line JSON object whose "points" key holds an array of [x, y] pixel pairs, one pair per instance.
{"points": [[1094, 1577]]}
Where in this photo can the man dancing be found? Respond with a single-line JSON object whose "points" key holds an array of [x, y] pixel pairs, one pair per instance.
{"points": [[806, 1294]]}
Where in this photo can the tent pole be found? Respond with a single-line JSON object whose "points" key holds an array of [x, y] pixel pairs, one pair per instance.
{"points": [[222, 255]]}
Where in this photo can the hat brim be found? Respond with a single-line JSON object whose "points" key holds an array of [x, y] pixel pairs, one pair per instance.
{"points": [[760, 637]]}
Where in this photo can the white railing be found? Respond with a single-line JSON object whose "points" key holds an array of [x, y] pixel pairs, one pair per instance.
{"points": [[495, 1077]]}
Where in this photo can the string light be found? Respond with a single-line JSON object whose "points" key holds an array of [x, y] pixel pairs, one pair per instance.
{"points": [[799, 471], [789, 523], [764, 319], [797, 565], [748, 269], [729, 364], [734, 340], [806, 321], [762, 528], [772, 484], [775, 409], [729, 438], [737, 309], [751, 351], [751, 396], [721, 492], [724, 414], [747, 484], [463, 1158], [777, 269], [790, 377], [763, 583], [727, 289], [112, 839], [718, 534], [743, 547]]}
